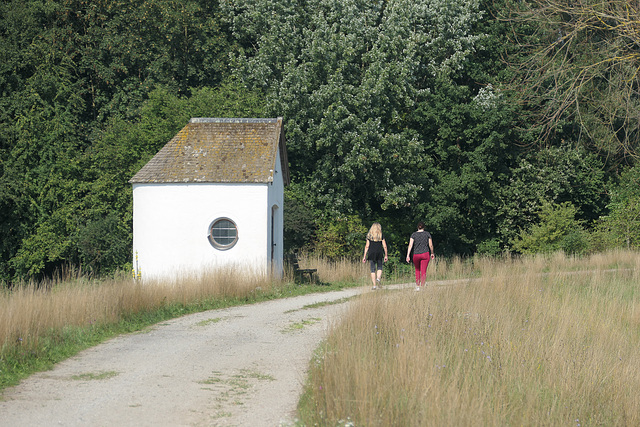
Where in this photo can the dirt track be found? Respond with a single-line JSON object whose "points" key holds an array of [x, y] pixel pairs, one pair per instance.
{"points": [[242, 366]]}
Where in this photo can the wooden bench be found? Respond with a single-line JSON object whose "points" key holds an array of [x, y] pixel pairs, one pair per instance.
{"points": [[299, 273]]}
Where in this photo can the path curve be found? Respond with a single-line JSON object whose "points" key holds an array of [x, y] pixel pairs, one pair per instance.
{"points": [[240, 366]]}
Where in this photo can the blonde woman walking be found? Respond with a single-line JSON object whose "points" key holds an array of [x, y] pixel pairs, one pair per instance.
{"points": [[375, 250]]}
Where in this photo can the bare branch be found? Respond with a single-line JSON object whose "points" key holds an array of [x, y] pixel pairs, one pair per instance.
{"points": [[583, 64]]}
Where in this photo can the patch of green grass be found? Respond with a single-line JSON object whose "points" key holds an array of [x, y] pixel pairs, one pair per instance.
{"points": [[238, 383], [214, 380], [234, 389], [95, 376], [256, 375], [222, 415], [296, 326], [209, 321], [321, 304]]}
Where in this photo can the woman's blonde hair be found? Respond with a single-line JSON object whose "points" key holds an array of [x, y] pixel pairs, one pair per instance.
{"points": [[375, 232]]}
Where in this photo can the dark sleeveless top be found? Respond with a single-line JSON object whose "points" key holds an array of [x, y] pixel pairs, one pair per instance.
{"points": [[375, 251]]}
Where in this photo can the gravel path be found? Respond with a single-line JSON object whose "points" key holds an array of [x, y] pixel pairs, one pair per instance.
{"points": [[241, 366]]}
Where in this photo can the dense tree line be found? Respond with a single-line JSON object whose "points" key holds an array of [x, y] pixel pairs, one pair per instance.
{"points": [[395, 111]]}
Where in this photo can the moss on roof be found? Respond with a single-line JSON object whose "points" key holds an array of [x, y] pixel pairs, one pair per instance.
{"points": [[219, 150]]}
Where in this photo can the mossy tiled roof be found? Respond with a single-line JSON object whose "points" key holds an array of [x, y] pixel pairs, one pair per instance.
{"points": [[219, 150]]}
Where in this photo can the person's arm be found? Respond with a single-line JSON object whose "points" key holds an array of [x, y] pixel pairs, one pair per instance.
{"points": [[384, 246], [431, 248], [409, 249], [366, 248]]}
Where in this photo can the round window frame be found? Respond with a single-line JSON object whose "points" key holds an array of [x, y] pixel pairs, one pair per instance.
{"points": [[212, 240]]}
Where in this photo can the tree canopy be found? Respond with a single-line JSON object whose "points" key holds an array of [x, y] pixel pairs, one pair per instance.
{"points": [[472, 116]]}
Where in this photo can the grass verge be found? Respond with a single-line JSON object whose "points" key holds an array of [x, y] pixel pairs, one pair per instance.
{"points": [[532, 341]]}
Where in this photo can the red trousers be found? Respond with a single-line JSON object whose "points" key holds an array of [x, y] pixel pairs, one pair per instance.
{"points": [[421, 261]]}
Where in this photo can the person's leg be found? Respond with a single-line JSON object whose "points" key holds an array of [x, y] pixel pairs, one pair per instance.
{"points": [[424, 263], [416, 264], [372, 267], [379, 270], [421, 268]]}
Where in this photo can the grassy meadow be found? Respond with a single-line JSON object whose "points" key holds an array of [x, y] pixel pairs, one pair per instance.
{"points": [[44, 323], [545, 340]]}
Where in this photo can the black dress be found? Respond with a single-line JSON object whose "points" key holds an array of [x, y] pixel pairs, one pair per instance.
{"points": [[375, 251]]}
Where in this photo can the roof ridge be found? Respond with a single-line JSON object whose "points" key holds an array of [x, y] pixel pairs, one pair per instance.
{"points": [[229, 120]]}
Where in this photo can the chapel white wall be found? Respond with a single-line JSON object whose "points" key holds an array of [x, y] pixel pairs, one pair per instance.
{"points": [[171, 223]]}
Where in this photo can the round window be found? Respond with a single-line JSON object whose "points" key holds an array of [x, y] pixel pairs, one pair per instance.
{"points": [[223, 234]]}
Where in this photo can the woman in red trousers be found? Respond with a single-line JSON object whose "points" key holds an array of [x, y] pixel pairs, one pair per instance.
{"points": [[422, 245]]}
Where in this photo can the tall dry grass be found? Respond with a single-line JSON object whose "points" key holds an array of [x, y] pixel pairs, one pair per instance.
{"points": [[32, 311], [533, 341], [355, 271], [332, 271]]}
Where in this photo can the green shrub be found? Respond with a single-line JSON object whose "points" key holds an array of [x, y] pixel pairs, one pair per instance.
{"points": [[341, 237], [490, 247], [558, 230]]}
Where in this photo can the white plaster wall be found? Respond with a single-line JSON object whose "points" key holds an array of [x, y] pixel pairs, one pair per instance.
{"points": [[276, 198], [171, 222]]}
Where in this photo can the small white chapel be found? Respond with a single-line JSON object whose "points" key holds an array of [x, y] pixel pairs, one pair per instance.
{"points": [[212, 197]]}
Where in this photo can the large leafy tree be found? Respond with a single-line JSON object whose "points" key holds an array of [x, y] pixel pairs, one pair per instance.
{"points": [[472, 154], [40, 138], [394, 112], [67, 69], [381, 110]]}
